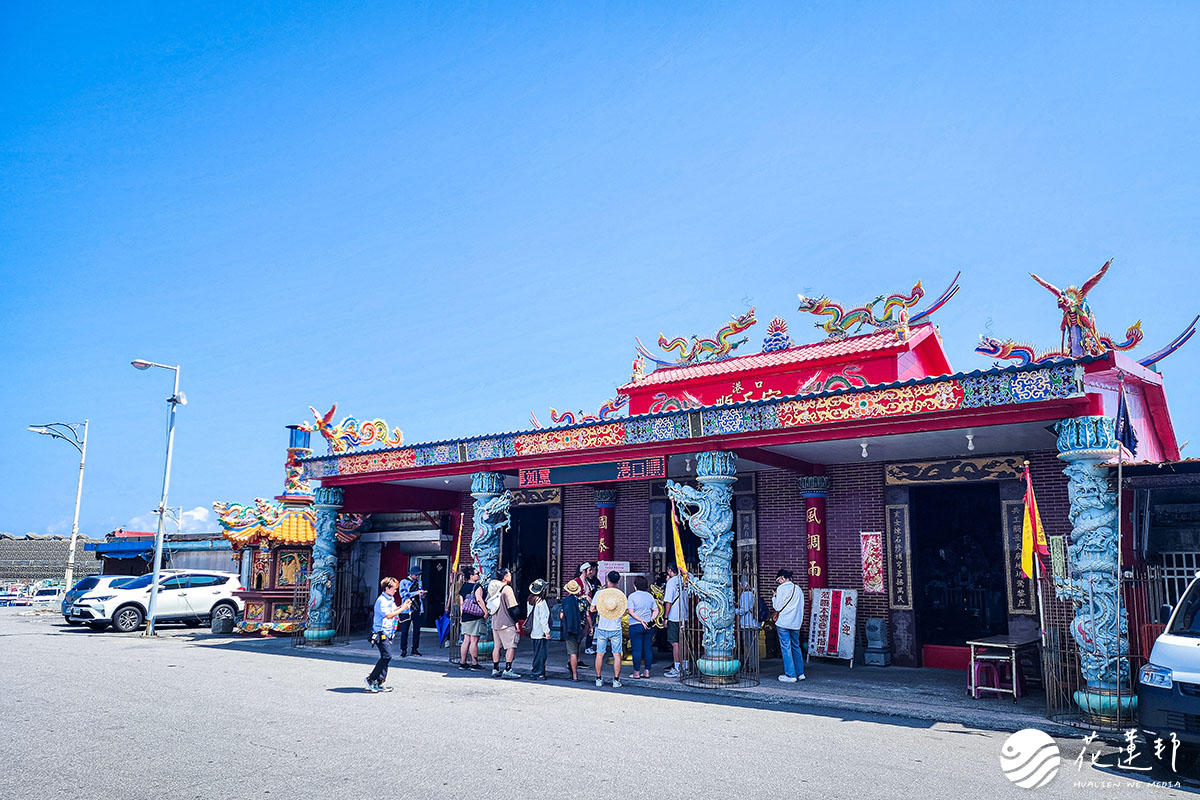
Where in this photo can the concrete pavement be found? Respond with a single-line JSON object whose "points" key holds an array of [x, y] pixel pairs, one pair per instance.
{"points": [[191, 716]]}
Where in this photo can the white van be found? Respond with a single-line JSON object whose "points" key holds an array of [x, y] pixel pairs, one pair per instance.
{"points": [[1169, 687]]}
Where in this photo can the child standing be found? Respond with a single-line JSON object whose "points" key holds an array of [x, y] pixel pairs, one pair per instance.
{"points": [[538, 614]]}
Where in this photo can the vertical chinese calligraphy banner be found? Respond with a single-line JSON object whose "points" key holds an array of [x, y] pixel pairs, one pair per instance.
{"points": [[899, 565], [872, 561], [814, 489], [608, 516], [1020, 588], [832, 623]]}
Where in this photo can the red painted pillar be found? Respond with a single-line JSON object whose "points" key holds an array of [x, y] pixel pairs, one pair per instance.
{"points": [[606, 508], [815, 488]]}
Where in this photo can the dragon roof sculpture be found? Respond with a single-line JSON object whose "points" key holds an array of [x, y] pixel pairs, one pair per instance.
{"points": [[895, 314], [1080, 337], [700, 350], [607, 411]]}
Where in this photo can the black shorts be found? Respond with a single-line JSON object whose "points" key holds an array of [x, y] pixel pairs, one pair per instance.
{"points": [[672, 632]]}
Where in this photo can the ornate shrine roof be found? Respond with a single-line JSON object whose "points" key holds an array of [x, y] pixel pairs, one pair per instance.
{"points": [[974, 391], [291, 523]]}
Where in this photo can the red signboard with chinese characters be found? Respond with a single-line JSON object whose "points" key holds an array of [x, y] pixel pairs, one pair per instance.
{"points": [[632, 469], [832, 623]]}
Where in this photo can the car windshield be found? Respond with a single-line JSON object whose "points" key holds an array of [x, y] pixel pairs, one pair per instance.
{"points": [[87, 583], [1187, 618], [46, 592]]}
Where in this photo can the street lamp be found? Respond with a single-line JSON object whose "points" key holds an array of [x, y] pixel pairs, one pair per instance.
{"points": [[177, 398], [69, 432]]}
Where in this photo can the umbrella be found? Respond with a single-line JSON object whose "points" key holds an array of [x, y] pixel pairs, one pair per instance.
{"points": [[443, 625]]}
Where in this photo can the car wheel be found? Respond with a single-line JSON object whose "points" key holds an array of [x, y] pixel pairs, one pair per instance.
{"points": [[70, 621], [127, 619], [224, 611], [98, 626]]}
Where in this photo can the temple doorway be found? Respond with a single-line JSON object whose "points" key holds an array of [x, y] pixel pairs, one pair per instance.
{"points": [[524, 548], [434, 579], [959, 563]]}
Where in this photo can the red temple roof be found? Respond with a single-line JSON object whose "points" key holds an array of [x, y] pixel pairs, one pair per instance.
{"points": [[873, 358]]}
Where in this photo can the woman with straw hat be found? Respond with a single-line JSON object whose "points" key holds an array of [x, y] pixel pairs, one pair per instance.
{"points": [[609, 604]]}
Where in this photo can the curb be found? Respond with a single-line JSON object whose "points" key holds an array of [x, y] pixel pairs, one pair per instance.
{"points": [[985, 719]]}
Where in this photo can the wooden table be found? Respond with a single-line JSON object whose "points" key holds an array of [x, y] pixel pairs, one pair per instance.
{"points": [[997, 649]]}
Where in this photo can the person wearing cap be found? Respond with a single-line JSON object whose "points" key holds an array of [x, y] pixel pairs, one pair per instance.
{"points": [[609, 605], [502, 605], [571, 613], [538, 615], [591, 584], [788, 604], [410, 590]]}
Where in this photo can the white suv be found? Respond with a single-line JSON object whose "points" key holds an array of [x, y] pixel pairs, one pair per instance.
{"points": [[190, 596]]}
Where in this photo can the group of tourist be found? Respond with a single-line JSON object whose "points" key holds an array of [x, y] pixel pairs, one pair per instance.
{"points": [[591, 615]]}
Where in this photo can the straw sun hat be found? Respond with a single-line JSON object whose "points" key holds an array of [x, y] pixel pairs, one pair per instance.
{"points": [[610, 603], [573, 588]]}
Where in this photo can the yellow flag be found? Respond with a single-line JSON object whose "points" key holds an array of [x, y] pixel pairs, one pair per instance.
{"points": [[1033, 535], [679, 560], [458, 541]]}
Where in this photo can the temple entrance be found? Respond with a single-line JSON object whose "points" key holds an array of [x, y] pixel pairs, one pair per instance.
{"points": [[434, 580], [524, 548], [958, 567]]}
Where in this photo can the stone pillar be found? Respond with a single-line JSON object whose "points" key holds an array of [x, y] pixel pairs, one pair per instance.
{"points": [[658, 538], [1100, 627], [606, 508], [490, 518], [814, 489], [712, 521], [323, 575]]}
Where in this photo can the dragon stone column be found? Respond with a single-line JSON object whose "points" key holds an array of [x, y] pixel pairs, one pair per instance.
{"points": [[490, 519], [1093, 586], [322, 576], [814, 489], [712, 521]]}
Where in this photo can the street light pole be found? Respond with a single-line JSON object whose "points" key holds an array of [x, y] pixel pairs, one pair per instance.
{"points": [[176, 399], [51, 429]]}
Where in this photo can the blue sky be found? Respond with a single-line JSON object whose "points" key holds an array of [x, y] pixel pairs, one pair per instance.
{"points": [[450, 215]]}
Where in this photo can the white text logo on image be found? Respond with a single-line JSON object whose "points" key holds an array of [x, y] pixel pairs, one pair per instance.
{"points": [[1030, 758]]}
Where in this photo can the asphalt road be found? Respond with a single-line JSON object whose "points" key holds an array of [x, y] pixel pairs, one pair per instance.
{"points": [[86, 715]]}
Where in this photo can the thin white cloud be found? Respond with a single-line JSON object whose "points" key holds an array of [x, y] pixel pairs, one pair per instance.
{"points": [[195, 520]]}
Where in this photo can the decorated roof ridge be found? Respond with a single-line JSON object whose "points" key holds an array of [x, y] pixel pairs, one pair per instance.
{"points": [[888, 341], [1012, 369]]}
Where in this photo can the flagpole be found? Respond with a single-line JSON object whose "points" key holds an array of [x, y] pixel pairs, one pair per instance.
{"points": [[1121, 403]]}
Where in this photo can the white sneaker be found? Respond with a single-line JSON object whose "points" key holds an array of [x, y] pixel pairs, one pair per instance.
{"points": [[787, 679], [508, 673], [591, 651], [599, 681], [372, 688], [616, 684], [800, 677], [671, 673]]}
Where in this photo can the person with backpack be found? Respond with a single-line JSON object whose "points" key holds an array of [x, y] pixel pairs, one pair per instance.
{"points": [[539, 628], [788, 603], [571, 613], [503, 608], [383, 630], [474, 618]]}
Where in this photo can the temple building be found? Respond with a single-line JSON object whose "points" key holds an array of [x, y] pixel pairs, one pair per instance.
{"points": [[863, 461]]}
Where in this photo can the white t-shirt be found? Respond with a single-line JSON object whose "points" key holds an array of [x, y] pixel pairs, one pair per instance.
{"points": [[675, 595], [604, 623], [642, 604]]}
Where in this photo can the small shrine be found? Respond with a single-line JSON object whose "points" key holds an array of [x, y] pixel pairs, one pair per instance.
{"points": [[273, 541]]}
